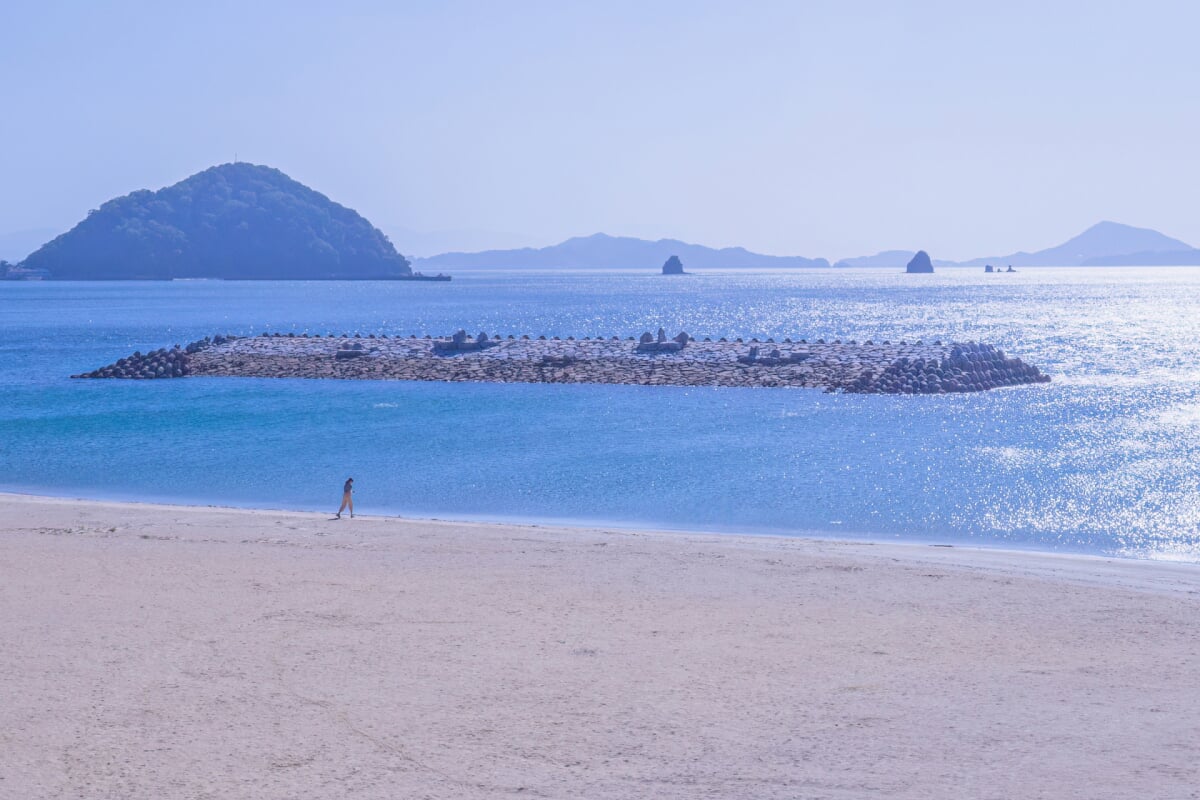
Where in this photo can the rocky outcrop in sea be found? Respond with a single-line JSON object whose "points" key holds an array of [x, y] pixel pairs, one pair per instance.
{"points": [[920, 263], [673, 266]]}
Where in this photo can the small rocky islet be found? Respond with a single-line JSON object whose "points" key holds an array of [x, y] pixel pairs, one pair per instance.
{"points": [[651, 360]]}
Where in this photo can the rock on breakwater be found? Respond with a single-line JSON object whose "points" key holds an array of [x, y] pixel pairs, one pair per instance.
{"points": [[866, 368], [161, 363]]}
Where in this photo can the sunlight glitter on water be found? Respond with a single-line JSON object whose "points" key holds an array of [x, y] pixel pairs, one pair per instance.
{"points": [[1102, 460]]}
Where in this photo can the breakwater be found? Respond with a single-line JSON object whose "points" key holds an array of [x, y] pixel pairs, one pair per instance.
{"points": [[867, 367]]}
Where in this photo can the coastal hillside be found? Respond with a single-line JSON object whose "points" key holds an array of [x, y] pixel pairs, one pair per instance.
{"points": [[233, 221], [601, 251]]}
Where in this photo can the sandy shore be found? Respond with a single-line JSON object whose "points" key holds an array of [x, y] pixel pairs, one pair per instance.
{"points": [[164, 652]]}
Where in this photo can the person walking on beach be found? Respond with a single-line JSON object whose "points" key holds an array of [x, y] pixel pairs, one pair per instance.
{"points": [[347, 499]]}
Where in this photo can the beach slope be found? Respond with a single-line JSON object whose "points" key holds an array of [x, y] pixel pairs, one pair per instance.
{"points": [[170, 652]]}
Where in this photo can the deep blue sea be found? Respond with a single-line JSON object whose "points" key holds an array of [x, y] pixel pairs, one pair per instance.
{"points": [[1104, 460]]}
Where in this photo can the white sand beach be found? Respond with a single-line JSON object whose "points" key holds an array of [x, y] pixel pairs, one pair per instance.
{"points": [[172, 652]]}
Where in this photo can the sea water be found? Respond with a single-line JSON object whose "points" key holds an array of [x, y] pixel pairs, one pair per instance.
{"points": [[1103, 460]]}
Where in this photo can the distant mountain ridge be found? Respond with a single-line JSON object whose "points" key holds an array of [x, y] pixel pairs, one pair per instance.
{"points": [[247, 221], [1109, 244], [601, 251], [1103, 244], [233, 221]]}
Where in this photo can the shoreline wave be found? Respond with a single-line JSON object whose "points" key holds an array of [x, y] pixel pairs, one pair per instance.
{"points": [[1167, 556]]}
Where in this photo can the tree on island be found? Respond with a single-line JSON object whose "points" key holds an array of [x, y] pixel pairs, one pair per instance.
{"points": [[673, 266], [233, 221], [920, 263]]}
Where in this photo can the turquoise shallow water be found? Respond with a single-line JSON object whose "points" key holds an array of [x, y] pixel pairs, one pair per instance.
{"points": [[1104, 460]]}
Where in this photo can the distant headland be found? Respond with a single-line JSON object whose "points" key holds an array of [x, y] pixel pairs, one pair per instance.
{"points": [[235, 221]]}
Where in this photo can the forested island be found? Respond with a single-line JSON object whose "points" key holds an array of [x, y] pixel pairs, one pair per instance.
{"points": [[235, 221]]}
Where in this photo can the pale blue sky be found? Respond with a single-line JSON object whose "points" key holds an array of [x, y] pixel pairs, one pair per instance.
{"points": [[812, 128]]}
